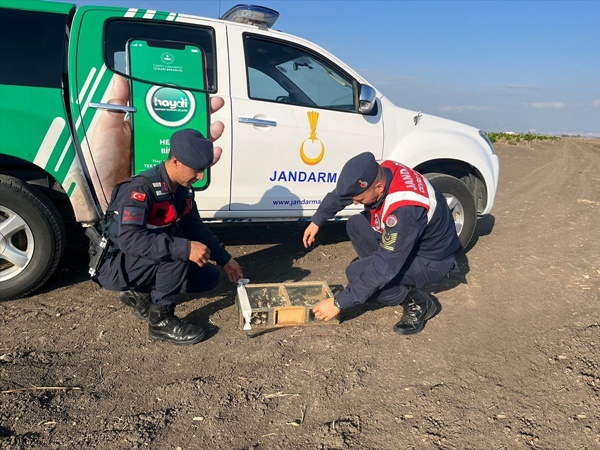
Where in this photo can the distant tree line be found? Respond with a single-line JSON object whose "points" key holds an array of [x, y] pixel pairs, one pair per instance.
{"points": [[515, 138]]}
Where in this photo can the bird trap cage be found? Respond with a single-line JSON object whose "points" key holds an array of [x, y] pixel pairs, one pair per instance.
{"points": [[280, 304]]}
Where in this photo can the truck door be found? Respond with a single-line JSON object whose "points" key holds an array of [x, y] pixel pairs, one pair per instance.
{"points": [[98, 63], [295, 123]]}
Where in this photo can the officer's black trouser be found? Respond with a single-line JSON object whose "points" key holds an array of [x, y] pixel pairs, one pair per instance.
{"points": [[416, 272], [163, 279]]}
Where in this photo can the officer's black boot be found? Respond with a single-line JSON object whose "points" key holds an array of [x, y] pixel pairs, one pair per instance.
{"points": [[418, 309], [164, 325], [139, 301]]}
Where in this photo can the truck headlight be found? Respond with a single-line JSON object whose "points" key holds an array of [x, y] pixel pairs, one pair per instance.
{"points": [[487, 139]]}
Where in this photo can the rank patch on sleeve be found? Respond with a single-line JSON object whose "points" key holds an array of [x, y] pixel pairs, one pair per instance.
{"points": [[132, 216], [388, 240], [139, 196]]}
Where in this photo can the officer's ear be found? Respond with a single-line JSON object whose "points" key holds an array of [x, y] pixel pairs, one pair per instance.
{"points": [[379, 186]]}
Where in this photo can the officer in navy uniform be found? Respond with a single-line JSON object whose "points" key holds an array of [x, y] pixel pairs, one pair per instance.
{"points": [[405, 239], [160, 245]]}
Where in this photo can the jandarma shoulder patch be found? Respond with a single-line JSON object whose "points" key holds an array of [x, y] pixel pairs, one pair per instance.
{"points": [[388, 240], [391, 221]]}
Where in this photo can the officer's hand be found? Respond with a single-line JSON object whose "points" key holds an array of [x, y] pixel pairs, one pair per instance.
{"points": [[233, 270], [199, 253], [325, 310], [309, 234]]}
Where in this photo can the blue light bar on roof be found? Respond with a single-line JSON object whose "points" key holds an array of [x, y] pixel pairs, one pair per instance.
{"points": [[252, 15]]}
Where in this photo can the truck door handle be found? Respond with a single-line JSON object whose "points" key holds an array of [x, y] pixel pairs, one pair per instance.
{"points": [[259, 122], [113, 108]]}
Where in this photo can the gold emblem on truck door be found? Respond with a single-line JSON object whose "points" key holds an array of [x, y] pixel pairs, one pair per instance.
{"points": [[315, 145]]}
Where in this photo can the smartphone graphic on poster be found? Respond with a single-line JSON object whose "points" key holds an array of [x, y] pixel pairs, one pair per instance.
{"points": [[164, 75]]}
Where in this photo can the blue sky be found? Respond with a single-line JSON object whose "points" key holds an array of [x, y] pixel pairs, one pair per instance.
{"points": [[497, 65]]}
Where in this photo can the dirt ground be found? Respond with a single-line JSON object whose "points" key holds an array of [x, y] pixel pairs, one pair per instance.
{"points": [[512, 361]]}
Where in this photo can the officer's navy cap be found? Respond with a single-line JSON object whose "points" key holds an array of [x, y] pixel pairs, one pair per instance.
{"points": [[192, 149], [357, 175]]}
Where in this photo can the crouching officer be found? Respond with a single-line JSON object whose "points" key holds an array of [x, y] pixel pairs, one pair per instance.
{"points": [[160, 245], [405, 239]]}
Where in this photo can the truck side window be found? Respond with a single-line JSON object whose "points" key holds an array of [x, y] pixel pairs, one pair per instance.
{"points": [[118, 32], [264, 87], [32, 48], [280, 72]]}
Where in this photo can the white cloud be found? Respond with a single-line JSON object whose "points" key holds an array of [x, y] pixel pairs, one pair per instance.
{"points": [[596, 102], [465, 108], [548, 105]]}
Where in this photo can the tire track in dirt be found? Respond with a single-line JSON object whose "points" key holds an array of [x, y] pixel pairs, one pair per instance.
{"points": [[518, 335], [551, 209]]}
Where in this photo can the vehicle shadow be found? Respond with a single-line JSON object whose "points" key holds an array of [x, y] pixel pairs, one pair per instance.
{"points": [[74, 266], [281, 245], [271, 265], [274, 263], [483, 228]]}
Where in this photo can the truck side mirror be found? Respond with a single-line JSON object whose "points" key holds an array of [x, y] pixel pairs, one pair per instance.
{"points": [[366, 99]]}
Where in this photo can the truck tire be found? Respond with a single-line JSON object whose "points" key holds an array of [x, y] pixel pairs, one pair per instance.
{"points": [[461, 202], [32, 238]]}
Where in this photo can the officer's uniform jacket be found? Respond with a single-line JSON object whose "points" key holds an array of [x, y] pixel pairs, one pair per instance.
{"points": [[156, 224], [412, 218]]}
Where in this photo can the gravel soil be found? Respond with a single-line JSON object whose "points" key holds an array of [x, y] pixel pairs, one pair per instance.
{"points": [[511, 362]]}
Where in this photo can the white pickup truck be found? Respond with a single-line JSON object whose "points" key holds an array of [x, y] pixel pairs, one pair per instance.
{"points": [[293, 115]]}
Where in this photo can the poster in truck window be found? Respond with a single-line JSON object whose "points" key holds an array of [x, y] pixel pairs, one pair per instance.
{"points": [[164, 76]]}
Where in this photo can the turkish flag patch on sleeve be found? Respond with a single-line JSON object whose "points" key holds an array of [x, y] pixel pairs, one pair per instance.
{"points": [[139, 196]]}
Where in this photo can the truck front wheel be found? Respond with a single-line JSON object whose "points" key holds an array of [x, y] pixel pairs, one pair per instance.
{"points": [[32, 238], [461, 203]]}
